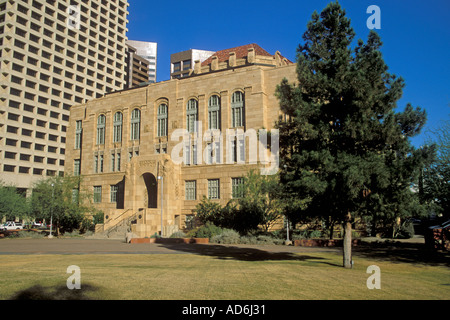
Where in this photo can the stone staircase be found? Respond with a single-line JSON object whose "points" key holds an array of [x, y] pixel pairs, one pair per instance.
{"points": [[140, 224]]}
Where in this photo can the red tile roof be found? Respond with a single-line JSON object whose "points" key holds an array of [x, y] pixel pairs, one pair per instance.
{"points": [[241, 52]]}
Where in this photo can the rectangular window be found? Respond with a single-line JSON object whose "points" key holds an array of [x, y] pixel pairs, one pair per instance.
{"points": [[75, 195], [113, 162], [77, 167], [114, 190], [78, 131], [177, 66], [214, 189], [97, 194], [95, 164], [191, 190], [237, 185], [190, 154]]}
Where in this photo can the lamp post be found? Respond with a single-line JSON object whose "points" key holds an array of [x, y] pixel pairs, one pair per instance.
{"points": [[162, 201], [287, 229], [51, 211]]}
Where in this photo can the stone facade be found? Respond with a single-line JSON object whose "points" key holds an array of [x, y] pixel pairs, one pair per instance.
{"points": [[121, 156]]}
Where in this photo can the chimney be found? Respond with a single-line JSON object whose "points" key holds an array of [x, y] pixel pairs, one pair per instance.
{"points": [[251, 55], [197, 67], [232, 60], [215, 63]]}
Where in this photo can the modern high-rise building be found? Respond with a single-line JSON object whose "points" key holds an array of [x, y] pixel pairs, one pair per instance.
{"points": [[182, 63], [137, 69], [149, 52], [53, 54]]}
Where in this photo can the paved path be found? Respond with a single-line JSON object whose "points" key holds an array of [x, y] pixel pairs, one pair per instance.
{"points": [[89, 246]]}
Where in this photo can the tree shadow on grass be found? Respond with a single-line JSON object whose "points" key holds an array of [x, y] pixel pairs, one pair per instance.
{"points": [[243, 253], [397, 252], [39, 292]]}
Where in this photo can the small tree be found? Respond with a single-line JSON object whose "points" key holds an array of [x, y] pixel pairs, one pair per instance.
{"points": [[261, 199], [258, 206], [59, 200], [12, 204]]}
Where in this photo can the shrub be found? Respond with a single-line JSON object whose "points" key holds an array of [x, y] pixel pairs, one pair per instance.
{"points": [[406, 231], [178, 234], [209, 230], [227, 236], [30, 234]]}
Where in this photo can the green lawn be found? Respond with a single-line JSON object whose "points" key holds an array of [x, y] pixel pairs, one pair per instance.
{"points": [[203, 277]]}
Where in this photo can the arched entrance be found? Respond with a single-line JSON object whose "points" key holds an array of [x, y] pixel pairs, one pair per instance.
{"points": [[151, 186]]}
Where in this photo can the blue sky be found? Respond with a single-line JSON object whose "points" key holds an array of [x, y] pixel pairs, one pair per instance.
{"points": [[415, 35]]}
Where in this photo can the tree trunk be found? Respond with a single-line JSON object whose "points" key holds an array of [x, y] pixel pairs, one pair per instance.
{"points": [[347, 246], [331, 228]]}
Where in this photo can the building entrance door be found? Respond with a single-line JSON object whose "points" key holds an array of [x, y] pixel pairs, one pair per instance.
{"points": [[152, 190]]}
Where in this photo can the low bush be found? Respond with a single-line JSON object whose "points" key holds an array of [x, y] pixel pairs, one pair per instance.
{"points": [[227, 237], [29, 234], [233, 237], [178, 234], [209, 230]]}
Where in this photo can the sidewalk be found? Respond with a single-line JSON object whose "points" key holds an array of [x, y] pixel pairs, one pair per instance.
{"points": [[99, 246]]}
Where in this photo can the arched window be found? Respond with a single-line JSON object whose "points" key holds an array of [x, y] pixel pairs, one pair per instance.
{"points": [[135, 124], [101, 123], [162, 120], [118, 124], [214, 112], [237, 110], [191, 115]]}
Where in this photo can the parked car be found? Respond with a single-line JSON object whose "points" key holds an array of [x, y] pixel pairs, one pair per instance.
{"points": [[438, 236], [37, 224], [11, 225]]}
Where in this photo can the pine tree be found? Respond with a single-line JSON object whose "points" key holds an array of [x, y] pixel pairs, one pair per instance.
{"points": [[342, 145]]}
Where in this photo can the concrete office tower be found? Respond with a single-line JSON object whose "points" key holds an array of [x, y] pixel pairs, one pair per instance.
{"points": [[182, 63], [137, 69], [149, 52], [53, 54]]}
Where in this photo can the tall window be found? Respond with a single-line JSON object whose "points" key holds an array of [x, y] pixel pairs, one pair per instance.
{"points": [[97, 194], [214, 112], [191, 190], [191, 115], [237, 185], [100, 165], [96, 164], [118, 124], [237, 109], [101, 123], [113, 162], [135, 124], [78, 132], [162, 120], [213, 189], [77, 167], [113, 193]]}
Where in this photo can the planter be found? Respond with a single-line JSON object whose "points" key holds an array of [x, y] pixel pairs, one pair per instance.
{"points": [[322, 242], [142, 240], [171, 240], [199, 240]]}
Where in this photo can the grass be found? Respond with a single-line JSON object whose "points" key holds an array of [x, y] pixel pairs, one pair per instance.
{"points": [[314, 276]]}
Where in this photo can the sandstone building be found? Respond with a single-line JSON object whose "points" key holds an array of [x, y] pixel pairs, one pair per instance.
{"points": [[150, 154]]}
